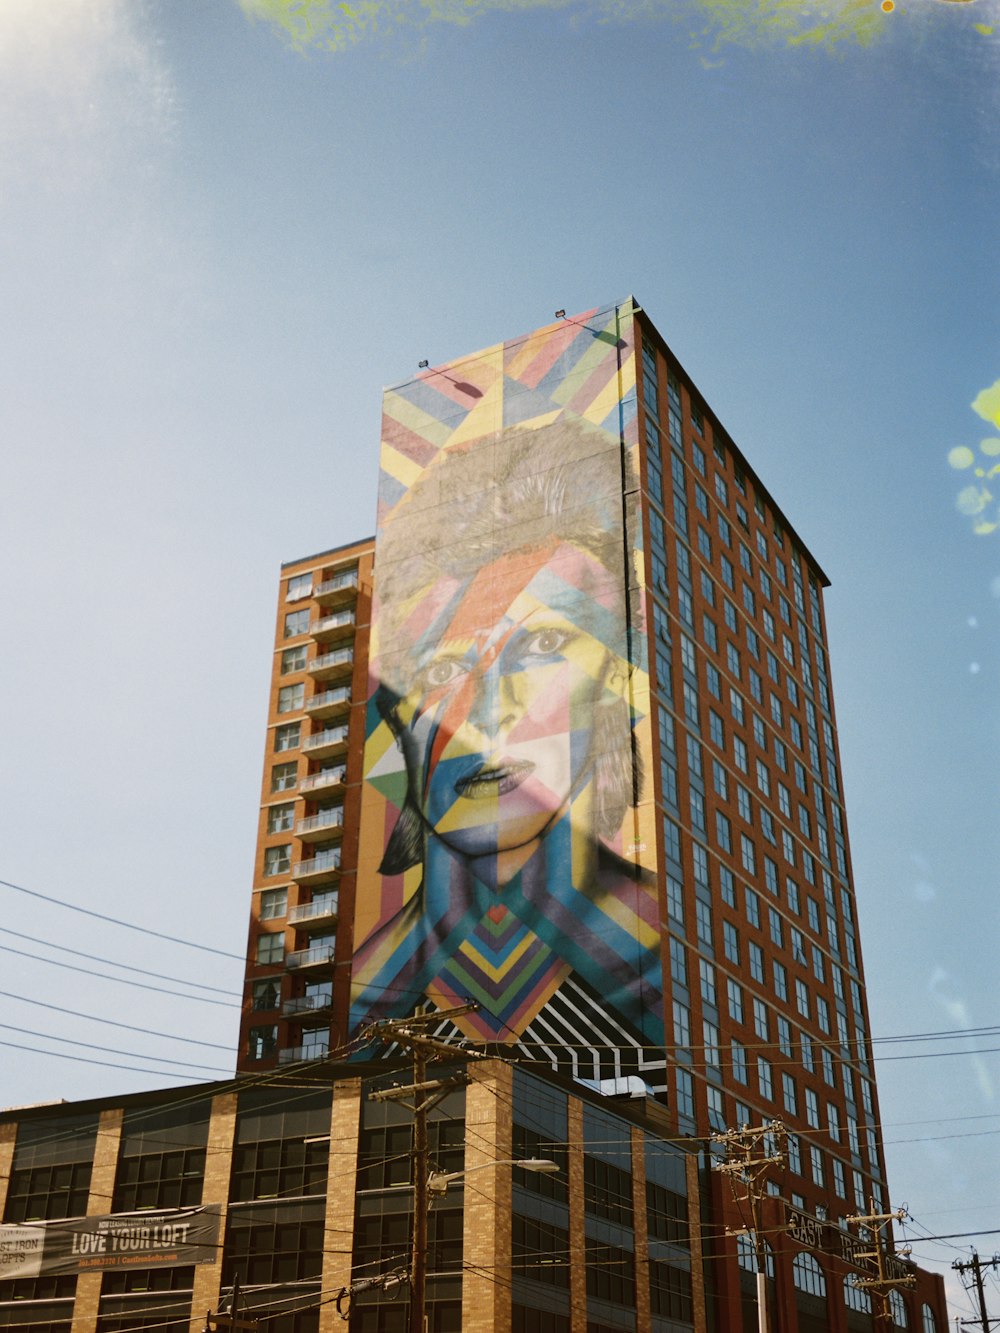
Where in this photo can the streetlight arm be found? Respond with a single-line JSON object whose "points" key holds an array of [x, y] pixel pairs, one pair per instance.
{"points": [[438, 1181]]}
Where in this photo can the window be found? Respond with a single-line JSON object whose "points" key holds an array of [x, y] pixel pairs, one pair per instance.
{"points": [[709, 634], [706, 973], [731, 942], [266, 994], [756, 962], [299, 585], [733, 659], [794, 1152], [263, 1041], [278, 860], [816, 1163], [271, 948], [284, 777], [788, 1094], [728, 573], [802, 998], [273, 904], [784, 1036], [740, 756], [734, 995], [280, 817], [675, 899], [807, 1274], [685, 1094], [291, 697], [607, 1190], [723, 832], [748, 856], [812, 1109], [716, 729], [736, 705], [776, 928], [764, 1078], [296, 622], [293, 659], [741, 1072], [682, 1024], [760, 1025], [752, 907], [710, 1043], [780, 980], [670, 1292], [703, 922], [286, 737], [727, 887]]}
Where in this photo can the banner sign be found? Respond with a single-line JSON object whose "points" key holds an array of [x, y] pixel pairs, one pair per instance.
{"points": [[827, 1238], [121, 1240]]}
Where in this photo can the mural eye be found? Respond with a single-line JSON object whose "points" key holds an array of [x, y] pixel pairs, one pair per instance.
{"points": [[547, 642], [442, 672]]}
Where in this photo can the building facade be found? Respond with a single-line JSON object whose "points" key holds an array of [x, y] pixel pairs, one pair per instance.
{"points": [[588, 778], [141, 1213]]}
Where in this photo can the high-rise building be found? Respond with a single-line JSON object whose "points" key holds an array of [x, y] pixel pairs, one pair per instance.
{"points": [[560, 742]]}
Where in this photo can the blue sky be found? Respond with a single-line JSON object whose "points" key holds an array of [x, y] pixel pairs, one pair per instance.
{"points": [[215, 251]]}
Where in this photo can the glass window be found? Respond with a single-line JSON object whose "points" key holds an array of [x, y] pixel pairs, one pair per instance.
{"points": [[273, 904], [299, 585], [271, 948], [291, 697], [263, 1041], [284, 777], [734, 995], [278, 860], [286, 737], [280, 817], [293, 659], [296, 622]]}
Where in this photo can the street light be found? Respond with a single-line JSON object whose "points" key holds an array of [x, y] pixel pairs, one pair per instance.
{"points": [[438, 1181]]}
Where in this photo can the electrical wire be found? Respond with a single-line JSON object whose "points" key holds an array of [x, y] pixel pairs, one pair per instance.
{"points": [[117, 921], [124, 981], [111, 1022]]}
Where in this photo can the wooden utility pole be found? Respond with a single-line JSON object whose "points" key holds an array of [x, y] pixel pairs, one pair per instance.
{"points": [[975, 1265], [884, 1281], [424, 1095], [747, 1168], [222, 1321]]}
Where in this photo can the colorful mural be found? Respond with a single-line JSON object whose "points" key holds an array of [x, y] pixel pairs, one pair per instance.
{"points": [[505, 854]]}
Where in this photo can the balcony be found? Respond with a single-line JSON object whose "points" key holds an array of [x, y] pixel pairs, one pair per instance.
{"points": [[291, 1055], [333, 665], [323, 744], [324, 779], [338, 590], [321, 910], [338, 626], [322, 868], [316, 827], [308, 1004], [320, 955], [331, 703]]}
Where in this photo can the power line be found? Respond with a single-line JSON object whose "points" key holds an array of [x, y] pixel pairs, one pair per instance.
{"points": [[111, 1022], [117, 921], [108, 1050], [128, 967], [82, 1059], [123, 981]]}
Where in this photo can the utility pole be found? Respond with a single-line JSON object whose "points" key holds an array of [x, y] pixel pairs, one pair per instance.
{"points": [[878, 1225], [223, 1321], [424, 1094], [750, 1154], [975, 1265]]}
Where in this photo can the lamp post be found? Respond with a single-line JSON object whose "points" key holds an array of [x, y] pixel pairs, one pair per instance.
{"points": [[432, 1186]]}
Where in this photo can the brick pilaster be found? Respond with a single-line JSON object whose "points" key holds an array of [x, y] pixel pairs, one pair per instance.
{"points": [[487, 1222], [8, 1136], [641, 1231], [102, 1189], [215, 1193], [577, 1236], [341, 1189], [694, 1215]]}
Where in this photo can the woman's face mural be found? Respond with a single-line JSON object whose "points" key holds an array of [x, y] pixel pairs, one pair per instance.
{"points": [[502, 854], [498, 722]]}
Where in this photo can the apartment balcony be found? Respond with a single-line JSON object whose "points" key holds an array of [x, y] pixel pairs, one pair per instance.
{"points": [[314, 828], [319, 956], [307, 1004], [339, 590], [291, 1055], [340, 625], [321, 911], [333, 665], [331, 703], [321, 869], [324, 780], [326, 743]]}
